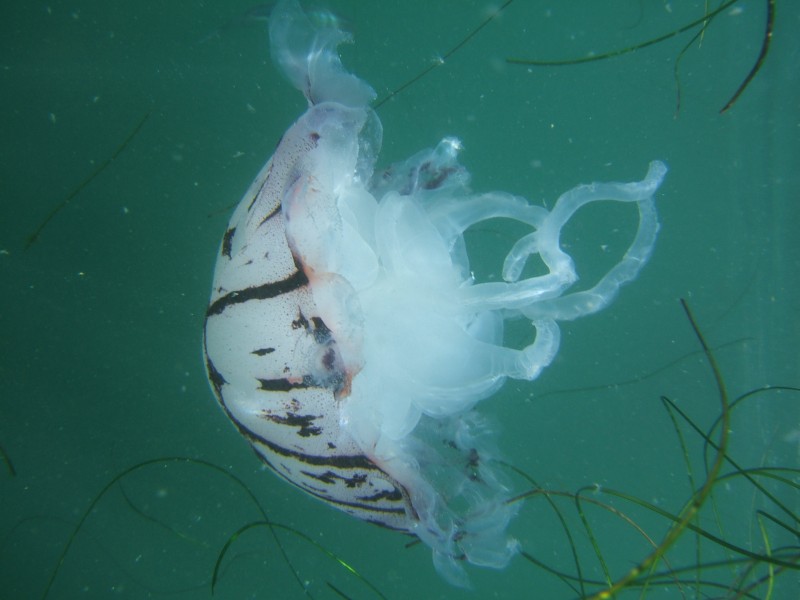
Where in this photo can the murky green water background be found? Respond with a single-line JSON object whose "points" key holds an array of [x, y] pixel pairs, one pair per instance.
{"points": [[100, 320]]}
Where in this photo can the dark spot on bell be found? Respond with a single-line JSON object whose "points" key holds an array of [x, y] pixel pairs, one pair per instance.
{"points": [[299, 322], [321, 332], [263, 351], [329, 359], [227, 241]]}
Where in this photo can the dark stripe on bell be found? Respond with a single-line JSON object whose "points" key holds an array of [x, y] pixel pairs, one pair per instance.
{"points": [[263, 351], [394, 496], [258, 193], [281, 385], [264, 291], [353, 461], [329, 478], [360, 507], [271, 214], [376, 512], [332, 382], [304, 423], [215, 377], [227, 241], [354, 505], [366, 509]]}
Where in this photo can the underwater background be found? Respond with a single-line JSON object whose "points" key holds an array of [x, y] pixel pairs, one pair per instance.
{"points": [[101, 316]]}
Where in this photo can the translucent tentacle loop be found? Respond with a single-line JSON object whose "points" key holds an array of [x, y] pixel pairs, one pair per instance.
{"points": [[541, 296], [572, 306]]}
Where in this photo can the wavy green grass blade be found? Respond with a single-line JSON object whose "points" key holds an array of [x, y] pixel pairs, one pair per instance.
{"points": [[142, 465], [690, 475], [564, 527], [159, 523], [9, 465], [677, 66], [623, 51], [703, 22], [639, 379], [745, 566], [688, 513], [770, 568], [337, 591], [566, 578], [443, 59], [273, 526], [762, 56], [785, 526], [732, 462], [606, 507], [680, 517], [33, 237], [592, 539]]}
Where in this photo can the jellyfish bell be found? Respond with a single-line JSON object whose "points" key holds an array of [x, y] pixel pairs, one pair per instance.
{"points": [[345, 336]]}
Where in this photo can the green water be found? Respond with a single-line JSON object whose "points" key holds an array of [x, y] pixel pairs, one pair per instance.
{"points": [[100, 319]]}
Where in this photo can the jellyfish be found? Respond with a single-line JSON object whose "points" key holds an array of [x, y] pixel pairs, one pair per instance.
{"points": [[346, 337]]}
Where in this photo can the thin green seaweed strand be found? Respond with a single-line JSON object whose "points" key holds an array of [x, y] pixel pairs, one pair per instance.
{"points": [[79, 188], [255, 524], [564, 526], [692, 486], [703, 493], [116, 479]]}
